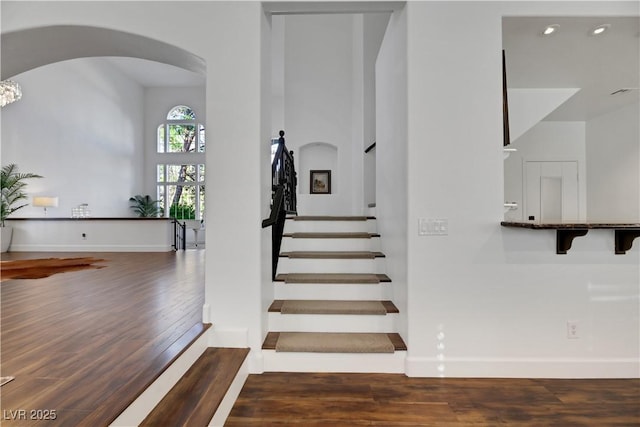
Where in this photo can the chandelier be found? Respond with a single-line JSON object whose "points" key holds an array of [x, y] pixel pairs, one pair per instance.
{"points": [[9, 92]]}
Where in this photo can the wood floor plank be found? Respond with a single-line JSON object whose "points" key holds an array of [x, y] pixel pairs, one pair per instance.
{"points": [[315, 399], [74, 340], [141, 379], [195, 398], [270, 341], [390, 307], [82, 342], [397, 341]]}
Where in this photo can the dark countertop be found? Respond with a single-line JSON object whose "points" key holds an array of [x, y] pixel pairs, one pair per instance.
{"points": [[132, 218], [571, 226]]}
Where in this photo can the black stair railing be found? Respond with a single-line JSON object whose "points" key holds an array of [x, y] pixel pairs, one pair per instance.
{"points": [[283, 198], [179, 238]]}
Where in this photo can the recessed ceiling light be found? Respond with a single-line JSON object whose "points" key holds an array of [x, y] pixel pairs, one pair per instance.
{"points": [[599, 29], [550, 29]]}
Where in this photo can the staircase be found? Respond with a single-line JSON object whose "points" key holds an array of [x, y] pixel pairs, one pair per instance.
{"points": [[332, 308]]}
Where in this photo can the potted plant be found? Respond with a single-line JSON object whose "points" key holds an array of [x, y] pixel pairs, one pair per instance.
{"points": [[12, 186], [145, 207]]}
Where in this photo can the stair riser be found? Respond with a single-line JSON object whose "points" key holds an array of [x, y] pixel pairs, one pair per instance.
{"points": [[138, 410], [319, 265], [368, 226], [331, 323], [381, 291], [290, 244], [393, 363]]}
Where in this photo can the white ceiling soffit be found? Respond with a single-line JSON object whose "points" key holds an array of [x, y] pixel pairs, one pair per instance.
{"points": [[572, 58], [34, 47], [527, 107], [311, 7]]}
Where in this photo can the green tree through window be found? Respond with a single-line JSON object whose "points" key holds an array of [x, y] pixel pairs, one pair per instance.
{"points": [[181, 186]]}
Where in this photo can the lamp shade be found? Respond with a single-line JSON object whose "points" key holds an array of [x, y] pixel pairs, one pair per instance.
{"points": [[45, 202]]}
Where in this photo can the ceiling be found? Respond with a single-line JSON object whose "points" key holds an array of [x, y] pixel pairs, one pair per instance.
{"points": [[155, 74], [569, 58], [572, 58]]}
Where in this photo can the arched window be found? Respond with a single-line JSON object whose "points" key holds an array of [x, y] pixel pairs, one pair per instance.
{"points": [[181, 133], [180, 181]]}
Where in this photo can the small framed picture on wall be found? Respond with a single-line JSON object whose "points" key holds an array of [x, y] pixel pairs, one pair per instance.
{"points": [[320, 182]]}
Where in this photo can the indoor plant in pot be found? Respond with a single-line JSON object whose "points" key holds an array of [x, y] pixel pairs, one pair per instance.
{"points": [[12, 186], [145, 206]]}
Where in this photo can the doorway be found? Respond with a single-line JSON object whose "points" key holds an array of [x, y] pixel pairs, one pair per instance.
{"points": [[551, 191]]}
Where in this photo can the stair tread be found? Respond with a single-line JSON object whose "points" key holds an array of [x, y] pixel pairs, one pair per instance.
{"points": [[115, 404], [271, 339], [332, 254], [197, 395], [329, 278], [331, 235], [307, 303], [333, 307], [330, 218]]}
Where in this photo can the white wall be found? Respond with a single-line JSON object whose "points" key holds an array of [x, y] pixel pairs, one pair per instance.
{"points": [[83, 113], [482, 301], [277, 74], [323, 87], [85, 119], [374, 28], [317, 156], [486, 300], [236, 269], [227, 35], [391, 159], [319, 104], [92, 235], [266, 121], [546, 141], [613, 166]]}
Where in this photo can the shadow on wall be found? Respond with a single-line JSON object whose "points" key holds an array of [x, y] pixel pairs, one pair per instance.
{"points": [[60, 43]]}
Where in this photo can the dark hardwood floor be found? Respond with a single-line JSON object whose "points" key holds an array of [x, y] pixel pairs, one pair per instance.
{"points": [[276, 399], [75, 340]]}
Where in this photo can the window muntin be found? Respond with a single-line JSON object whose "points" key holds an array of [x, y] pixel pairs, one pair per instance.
{"points": [[181, 133], [180, 186], [181, 112]]}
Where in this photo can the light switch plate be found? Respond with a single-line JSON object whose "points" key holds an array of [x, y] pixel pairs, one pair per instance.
{"points": [[433, 226]]}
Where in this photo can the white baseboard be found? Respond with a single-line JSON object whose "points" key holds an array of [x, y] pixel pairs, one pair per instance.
{"points": [[229, 337], [90, 248], [206, 313], [522, 368], [144, 404]]}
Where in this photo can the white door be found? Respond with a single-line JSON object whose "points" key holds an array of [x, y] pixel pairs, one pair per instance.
{"points": [[551, 192]]}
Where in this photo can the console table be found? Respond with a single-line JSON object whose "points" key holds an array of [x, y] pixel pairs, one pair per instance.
{"points": [[624, 234]]}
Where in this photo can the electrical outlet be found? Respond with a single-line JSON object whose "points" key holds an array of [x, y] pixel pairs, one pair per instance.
{"points": [[573, 331]]}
